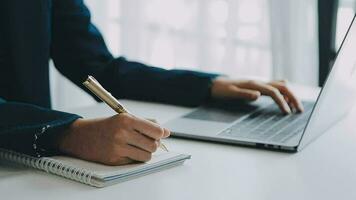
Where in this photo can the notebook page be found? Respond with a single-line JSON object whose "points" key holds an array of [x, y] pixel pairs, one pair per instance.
{"points": [[103, 171]]}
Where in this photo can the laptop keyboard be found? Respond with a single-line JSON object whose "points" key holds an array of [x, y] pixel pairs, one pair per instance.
{"points": [[270, 125]]}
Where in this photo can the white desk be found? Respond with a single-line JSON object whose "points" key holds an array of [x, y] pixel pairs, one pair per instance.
{"points": [[326, 169]]}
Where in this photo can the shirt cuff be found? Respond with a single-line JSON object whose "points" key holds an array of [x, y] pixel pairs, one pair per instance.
{"points": [[46, 138]]}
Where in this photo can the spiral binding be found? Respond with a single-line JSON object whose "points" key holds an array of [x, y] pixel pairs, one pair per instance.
{"points": [[48, 165]]}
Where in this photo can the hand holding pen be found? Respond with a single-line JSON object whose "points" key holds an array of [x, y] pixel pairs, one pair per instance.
{"points": [[116, 140], [94, 86]]}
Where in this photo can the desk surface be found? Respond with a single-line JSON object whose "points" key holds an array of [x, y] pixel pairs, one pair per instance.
{"points": [[323, 170]]}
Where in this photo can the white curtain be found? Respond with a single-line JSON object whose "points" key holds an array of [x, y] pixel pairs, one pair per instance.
{"points": [[294, 40], [262, 38]]}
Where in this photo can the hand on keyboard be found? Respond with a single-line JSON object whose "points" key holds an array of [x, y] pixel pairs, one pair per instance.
{"points": [[252, 90]]}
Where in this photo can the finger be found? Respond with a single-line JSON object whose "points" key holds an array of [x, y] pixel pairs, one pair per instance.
{"points": [[278, 98], [246, 94], [166, 133], [282, 81], [271, 91], [242, 93], [152, 120], [280, 85], [148, 128], [120, 161], [291, 105], [124, 161], [141, 141], [137, 154], [287, 92]]}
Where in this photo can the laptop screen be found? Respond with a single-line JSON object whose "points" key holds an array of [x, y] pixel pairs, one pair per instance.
{"points": [[338, 94]]}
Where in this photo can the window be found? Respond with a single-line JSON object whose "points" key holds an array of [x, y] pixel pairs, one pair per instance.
{"points": [[260, 38], [225, 36]]}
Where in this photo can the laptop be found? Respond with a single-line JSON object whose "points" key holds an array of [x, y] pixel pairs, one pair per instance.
{"points": [[261, 124]]}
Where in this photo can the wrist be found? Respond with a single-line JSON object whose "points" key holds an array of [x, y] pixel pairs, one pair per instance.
{"points": [[214, 81], [218, 85], [64, 141], [48, 140]]}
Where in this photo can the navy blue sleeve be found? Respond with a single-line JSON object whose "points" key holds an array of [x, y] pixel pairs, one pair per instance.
{"points": [[31, 129], [78, 50]]}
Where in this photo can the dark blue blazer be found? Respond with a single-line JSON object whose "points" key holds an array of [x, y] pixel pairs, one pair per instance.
{"points": [[34, 31]]}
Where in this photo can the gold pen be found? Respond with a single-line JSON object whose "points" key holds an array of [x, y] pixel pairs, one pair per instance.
{"points": [[94, 86]]}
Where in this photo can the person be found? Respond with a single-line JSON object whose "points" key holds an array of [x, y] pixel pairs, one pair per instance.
{"points": [[32, 32]]}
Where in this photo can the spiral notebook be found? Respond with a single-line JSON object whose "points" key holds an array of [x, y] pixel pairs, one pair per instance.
{"points": [[95, 174]]}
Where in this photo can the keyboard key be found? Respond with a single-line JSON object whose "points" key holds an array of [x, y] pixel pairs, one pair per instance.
{"points": [[269, 124]]}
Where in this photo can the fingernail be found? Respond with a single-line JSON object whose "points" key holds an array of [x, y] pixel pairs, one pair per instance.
{"points": [[152, 120], [300, 107], [167, 133]]}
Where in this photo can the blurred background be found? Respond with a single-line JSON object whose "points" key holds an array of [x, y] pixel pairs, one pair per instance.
{"points": [[295, 40]]}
